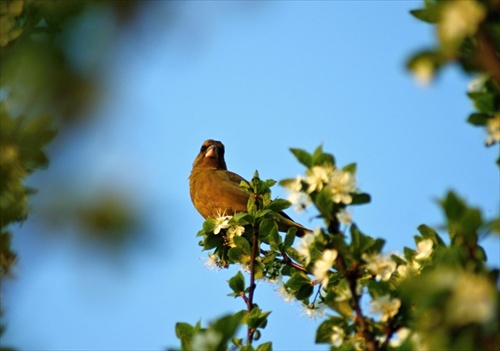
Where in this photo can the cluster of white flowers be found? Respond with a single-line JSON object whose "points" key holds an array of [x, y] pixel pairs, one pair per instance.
{"points": [[316, 310], [222, 222], [411, 268], [380, 266], [282, 291], [473, 299], [424, 250], [212, 262], [340, 184], [386, 306], [459, 19], [323, 265], [297, 197]]}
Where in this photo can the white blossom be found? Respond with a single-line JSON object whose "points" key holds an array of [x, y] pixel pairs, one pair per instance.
{"points": [[221, 222], [424, 249], [306, 244], [206, 341], [212, 262], [493, 129], [399, 337], [459, 19], [344, 217], [341, 185], [473, 300], [410, 268], [297, 197], [317, 310], [382, 267], [337, 336], [386, 306], [323, 265], [317, 177], [282, 291], [234, 230]]}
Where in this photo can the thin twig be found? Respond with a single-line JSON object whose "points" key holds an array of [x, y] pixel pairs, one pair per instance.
{"points": [[255, 247]]}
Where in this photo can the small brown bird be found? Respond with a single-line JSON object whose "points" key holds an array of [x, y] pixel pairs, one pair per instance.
{"points": [[215, 190]]}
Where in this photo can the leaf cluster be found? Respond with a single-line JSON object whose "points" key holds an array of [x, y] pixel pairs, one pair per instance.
{"points": [[22, 143]]}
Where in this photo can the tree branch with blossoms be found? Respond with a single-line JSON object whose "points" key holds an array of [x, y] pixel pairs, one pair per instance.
{"points": [[441, 294], [346, 267]]}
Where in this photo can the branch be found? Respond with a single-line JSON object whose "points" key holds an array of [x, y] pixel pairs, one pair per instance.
{"points": [[486, 56], [249, 301], [352, 276]]}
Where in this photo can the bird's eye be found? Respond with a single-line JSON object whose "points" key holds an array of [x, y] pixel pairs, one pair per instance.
{"points": [[203, 148]]}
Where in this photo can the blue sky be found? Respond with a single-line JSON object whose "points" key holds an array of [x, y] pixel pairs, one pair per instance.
{"points": [[261, 77]]}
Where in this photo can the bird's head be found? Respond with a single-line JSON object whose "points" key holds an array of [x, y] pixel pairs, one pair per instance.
{"points": [[211, 155]]}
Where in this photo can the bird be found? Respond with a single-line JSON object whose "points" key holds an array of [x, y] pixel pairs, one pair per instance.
{"points": [[214, 190]]}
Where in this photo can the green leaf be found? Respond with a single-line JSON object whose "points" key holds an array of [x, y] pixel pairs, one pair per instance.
{"points": [[267, 346], [303, 157], [241, 252], [409, 253], [429, 233], [251, 206], [290, 236], [209, 225], [257, 318], [300, 285], [378, 288], [268, 183], [485, 102], [398, 260], [360, 198], [279, 205], [453, 206], [350, 168], [429, 15], [228, 325], [324, 332], [268, 232], [185, 333], [493, 226], [243, 218], [320, 158], [324, 203], [360, 243], [237, 283], [478, 119]]}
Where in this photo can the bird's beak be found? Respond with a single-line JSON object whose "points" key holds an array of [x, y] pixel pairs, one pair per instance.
{"points": [[212, 151]]}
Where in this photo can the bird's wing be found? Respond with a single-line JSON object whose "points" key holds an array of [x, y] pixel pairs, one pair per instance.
{"points": [[235, 178]]}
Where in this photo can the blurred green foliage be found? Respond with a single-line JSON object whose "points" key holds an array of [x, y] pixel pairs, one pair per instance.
{"points": [[46, 90], [21, 152], [43, 89], [468, 34]]}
